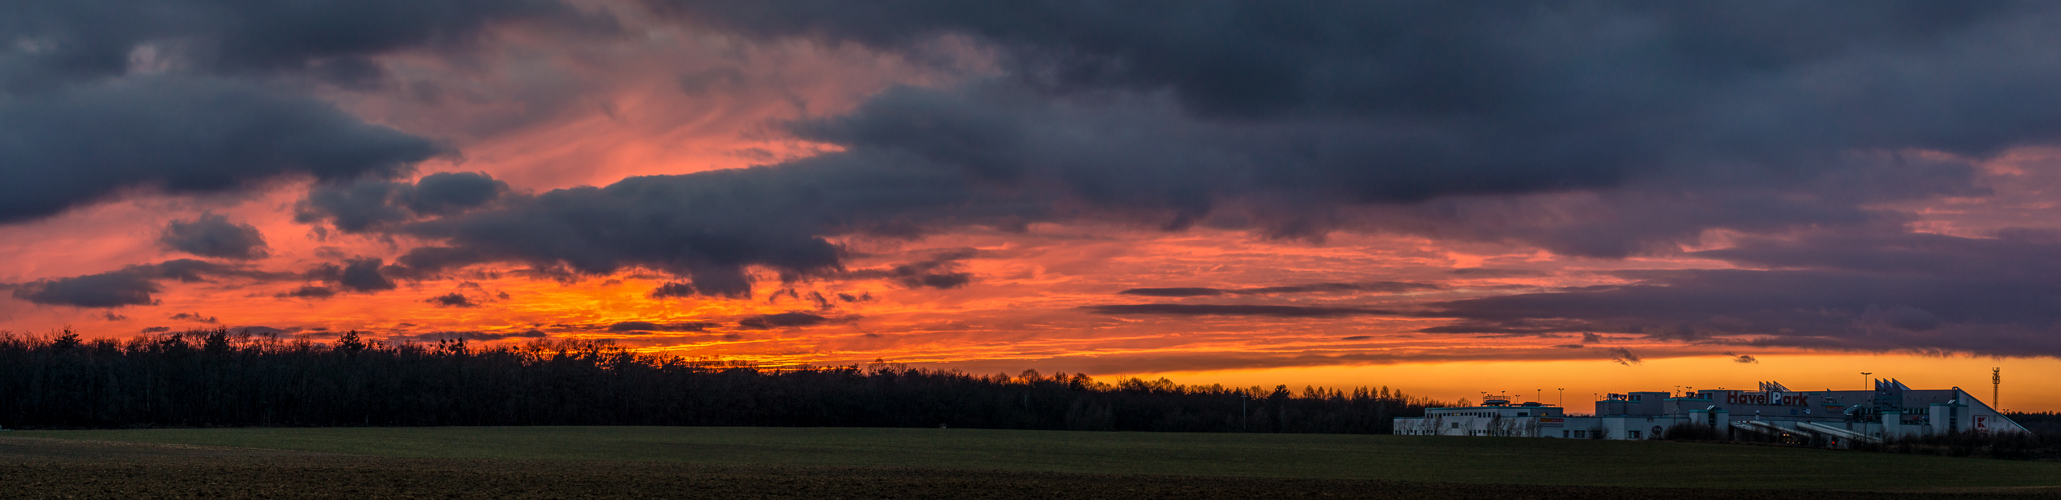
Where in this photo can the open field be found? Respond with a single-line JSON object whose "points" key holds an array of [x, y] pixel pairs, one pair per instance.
{"points": [[1280, 456], [53, 468]]}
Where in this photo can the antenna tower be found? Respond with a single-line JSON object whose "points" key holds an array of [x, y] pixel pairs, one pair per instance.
{"points": [[1996, 380]]}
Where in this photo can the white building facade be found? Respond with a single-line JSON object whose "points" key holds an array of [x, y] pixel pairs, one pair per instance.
{"points": [[1836, 418]]}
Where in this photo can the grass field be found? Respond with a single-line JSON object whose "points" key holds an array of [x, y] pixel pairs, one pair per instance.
{"points": [[1326, 457]]}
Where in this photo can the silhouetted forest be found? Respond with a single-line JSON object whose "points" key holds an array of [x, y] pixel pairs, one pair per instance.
{"points": [[209, 378]]}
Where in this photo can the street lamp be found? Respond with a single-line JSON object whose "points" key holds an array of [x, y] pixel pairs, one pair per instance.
{"points": [[1864, 380], [1563, 397]]}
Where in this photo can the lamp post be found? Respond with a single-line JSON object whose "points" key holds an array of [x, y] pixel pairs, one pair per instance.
{"points": [[1864, 380], [1563, 398]]}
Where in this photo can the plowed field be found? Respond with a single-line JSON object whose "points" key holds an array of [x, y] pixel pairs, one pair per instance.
{"points": [[56, 468]]}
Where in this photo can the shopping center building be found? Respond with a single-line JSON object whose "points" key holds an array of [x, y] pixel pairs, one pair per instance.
{"points": [[1835, 418]]}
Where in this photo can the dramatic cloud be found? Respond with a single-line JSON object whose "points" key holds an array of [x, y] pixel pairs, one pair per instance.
{"points": [[468, 335], [782, 320], [1623, 356], [1675, 178], [129, 286], [1281, 117], [214, 236], [357, 206], [198, 96], [647, 326], [1381, 287], [1174, 292], [309, 292], [180, 135], [939, 271], [1233, 310], [1867, 291], [126, 287], [359, 275], [675, 289], [1290, 133], [329, 40], [453, 299], [194, 317], [709, 226]]}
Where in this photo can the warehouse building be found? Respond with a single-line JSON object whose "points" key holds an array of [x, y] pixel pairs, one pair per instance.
{"points": [[1836, 418]]}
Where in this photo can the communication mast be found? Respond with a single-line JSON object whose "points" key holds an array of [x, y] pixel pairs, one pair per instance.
{"points": [[1996, 380]]}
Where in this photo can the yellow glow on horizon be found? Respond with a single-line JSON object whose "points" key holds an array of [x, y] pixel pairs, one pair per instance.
{"points": [[2029, 384]]}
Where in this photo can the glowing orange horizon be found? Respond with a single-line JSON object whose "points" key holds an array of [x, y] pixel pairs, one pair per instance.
{"points": [[1025, 307]]}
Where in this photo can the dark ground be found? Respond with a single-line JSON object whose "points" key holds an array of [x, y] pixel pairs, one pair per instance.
{"points": [[53, 468]]}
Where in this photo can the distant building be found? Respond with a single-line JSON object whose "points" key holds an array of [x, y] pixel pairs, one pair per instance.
{"points": [[1837, 418]]}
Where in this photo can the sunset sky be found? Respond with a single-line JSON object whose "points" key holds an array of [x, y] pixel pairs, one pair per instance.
{"points": [[1441, 197]]}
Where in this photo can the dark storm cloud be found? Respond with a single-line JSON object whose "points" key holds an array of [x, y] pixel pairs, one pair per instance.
{"points": [[1528, 327], [1233, 310], [82, 39], [83, 144], [1138, 159], [443, 193], [1623, 356], [309, 292], [188, 316], [453, 299], [261, 330], [468, 335], [1863, 291], [710, 226], [1484, 272], [940, 271], [111, 289], [1174, 292], [647, 326], [214, 236], [1598, 129], [1376, 287], [1298, 110], [358, 275], [674, 289], [1293, 113], [359, 205], [196, 96], [783, 320], [1250, 58], [132, 285]]}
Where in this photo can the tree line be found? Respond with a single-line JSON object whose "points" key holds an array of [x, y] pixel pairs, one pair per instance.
{"points": [[215, 378]]}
